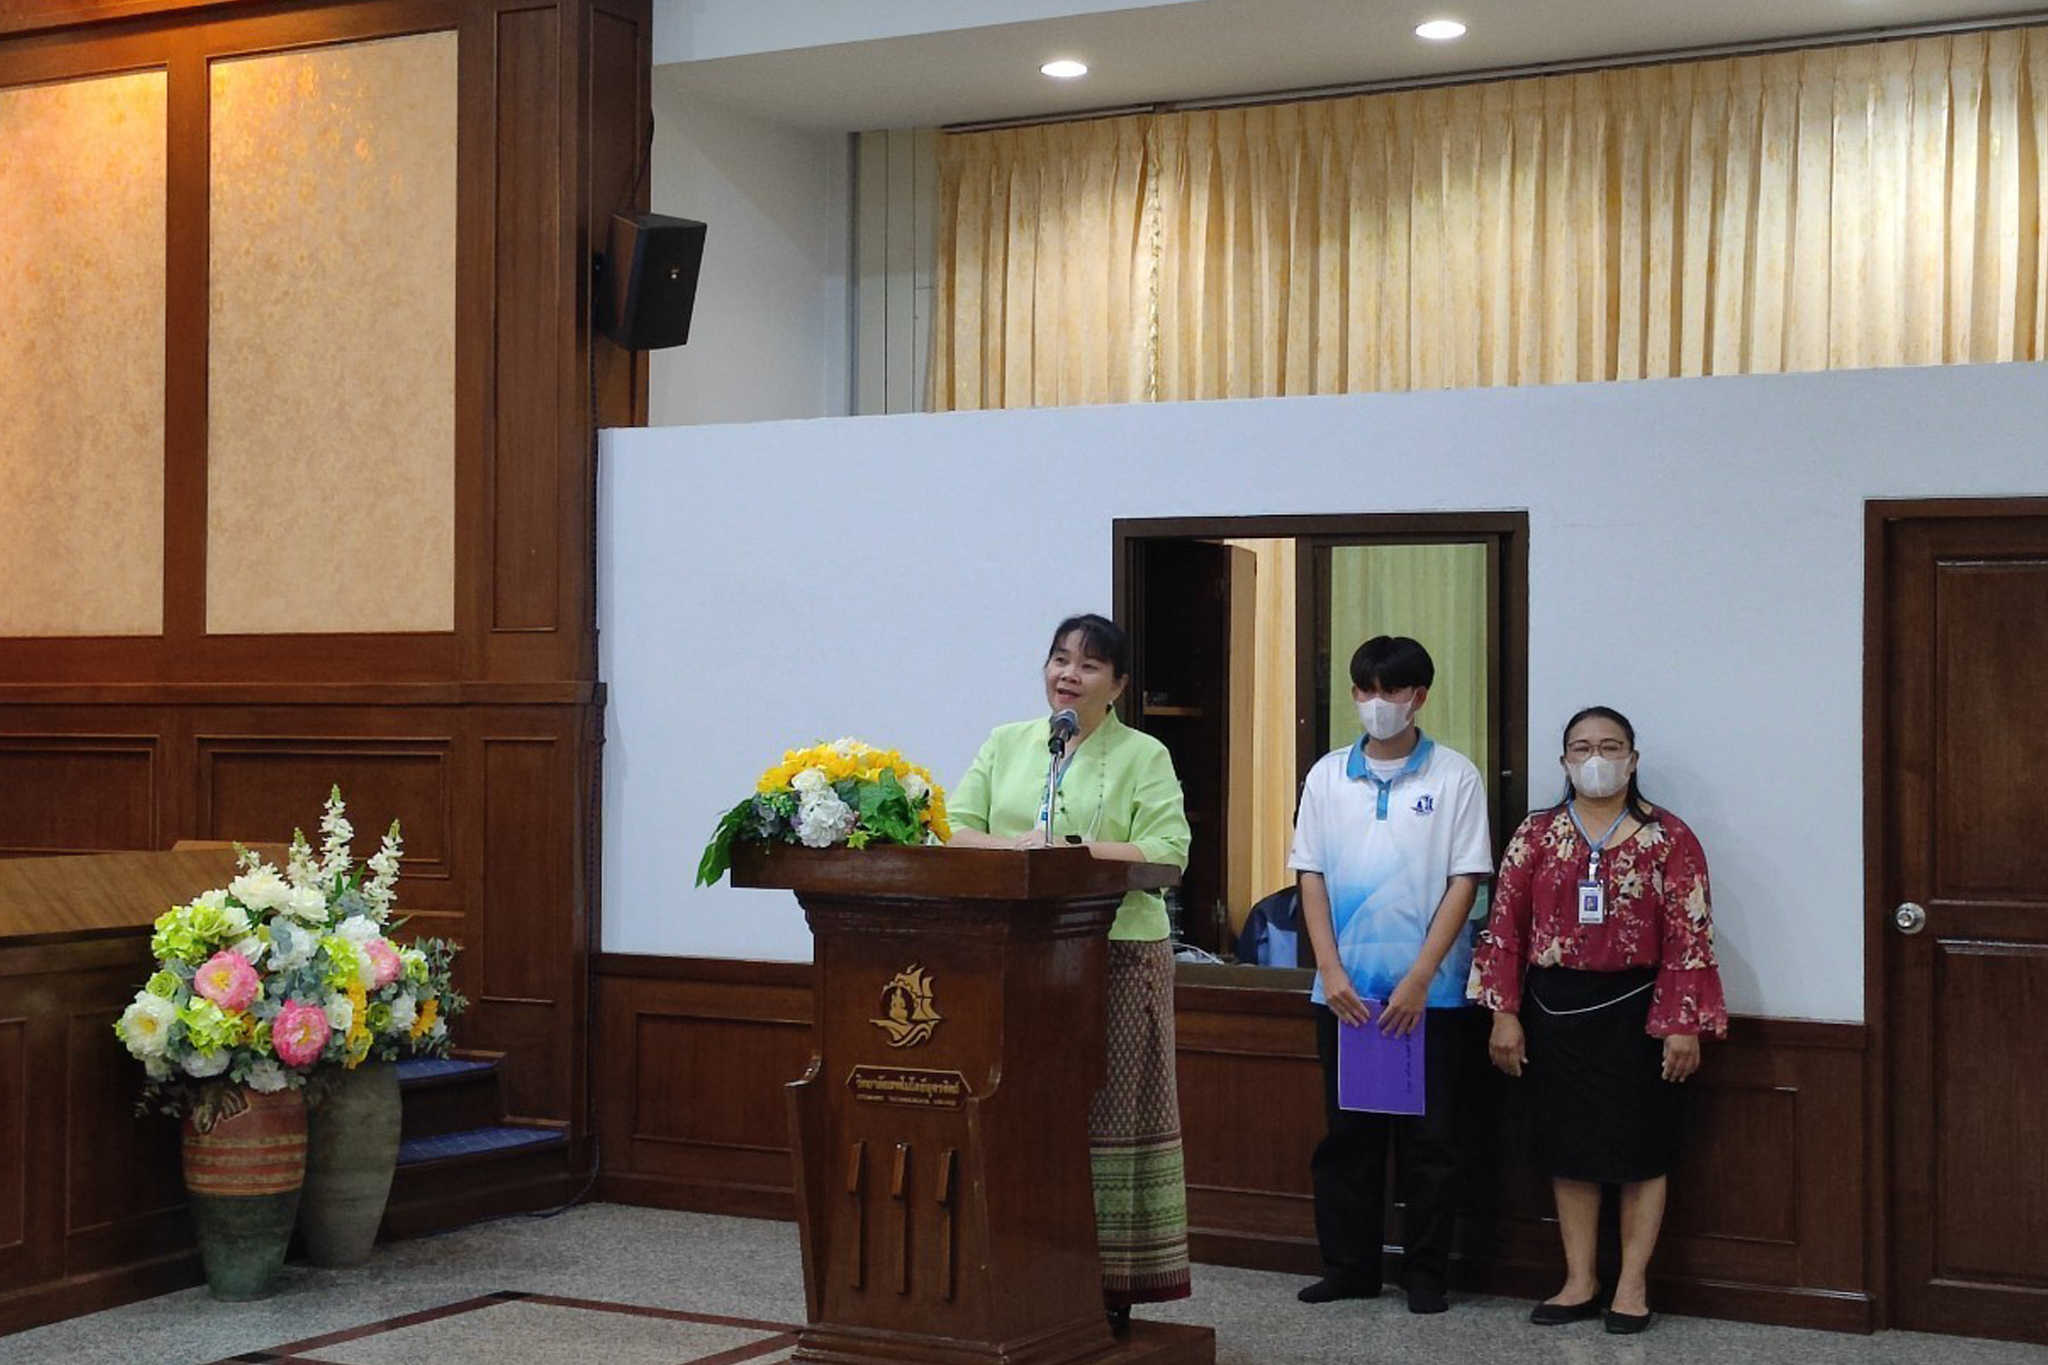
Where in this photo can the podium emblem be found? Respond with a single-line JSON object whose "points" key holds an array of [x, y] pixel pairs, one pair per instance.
{"points": [[907, 1013]]}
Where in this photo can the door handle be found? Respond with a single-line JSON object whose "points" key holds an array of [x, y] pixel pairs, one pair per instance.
{"points": [[1910, 918]]}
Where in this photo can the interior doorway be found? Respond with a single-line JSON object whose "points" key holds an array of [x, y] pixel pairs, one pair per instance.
{"points": [[1242, 631], [1956, 673]]}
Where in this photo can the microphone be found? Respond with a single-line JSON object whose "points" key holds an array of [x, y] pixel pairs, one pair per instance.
{"points": [[1065, 725]]}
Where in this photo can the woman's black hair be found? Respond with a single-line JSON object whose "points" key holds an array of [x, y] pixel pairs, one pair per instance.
{"points": [[1636, 805], [1101, 638]]}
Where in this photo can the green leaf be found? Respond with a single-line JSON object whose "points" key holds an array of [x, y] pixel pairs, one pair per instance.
{"points": [[718, 853]]}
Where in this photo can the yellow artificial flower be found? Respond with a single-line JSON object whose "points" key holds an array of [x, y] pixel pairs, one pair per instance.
{"points": [[424, 1020]]}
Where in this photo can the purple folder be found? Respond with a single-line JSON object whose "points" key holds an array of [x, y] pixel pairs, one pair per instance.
{"points": [[1377, 1072]]}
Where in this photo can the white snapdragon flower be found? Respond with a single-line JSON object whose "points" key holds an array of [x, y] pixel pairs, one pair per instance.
{"points": [[404, 1010], [335, 833], [823, 820], [267, 1077], [200, 1065], [261, 889], [341, 1012], [146, 1025], [300, 869], [916, 788], [305, 903], [384, 873], [810, 782]]}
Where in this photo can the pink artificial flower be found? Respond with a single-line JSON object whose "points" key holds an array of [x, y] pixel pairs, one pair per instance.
{"points": [[299, 1033], [384, 962], [228, 980]]}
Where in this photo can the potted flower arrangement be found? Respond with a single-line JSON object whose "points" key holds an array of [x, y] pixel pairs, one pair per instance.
{"points": [[845, 792], [266, 983]]}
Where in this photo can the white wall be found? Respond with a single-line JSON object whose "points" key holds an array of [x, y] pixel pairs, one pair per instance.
{"points": [[1696, 559], [768, 339]]}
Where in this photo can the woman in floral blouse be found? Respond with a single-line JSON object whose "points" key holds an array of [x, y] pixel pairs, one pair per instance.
{"points": [[1601, 947]]}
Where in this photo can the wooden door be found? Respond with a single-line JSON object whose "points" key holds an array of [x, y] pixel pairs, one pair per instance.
{"points": [[1959, 891]]}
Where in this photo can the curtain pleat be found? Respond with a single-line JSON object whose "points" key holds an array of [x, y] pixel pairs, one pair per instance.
{"points": [[1873, 205]]}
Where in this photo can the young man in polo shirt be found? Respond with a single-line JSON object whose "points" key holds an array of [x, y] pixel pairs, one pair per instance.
{"points": [[1391, 844]]}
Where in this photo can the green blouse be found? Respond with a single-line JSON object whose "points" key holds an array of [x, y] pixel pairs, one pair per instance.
{"points": [[1119, 789]]}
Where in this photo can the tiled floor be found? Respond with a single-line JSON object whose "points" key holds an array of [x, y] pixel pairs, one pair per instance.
{"points": [[610, 1285]]}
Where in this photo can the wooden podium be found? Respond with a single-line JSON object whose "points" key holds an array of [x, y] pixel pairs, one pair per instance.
{"points": [[941, 1133]]}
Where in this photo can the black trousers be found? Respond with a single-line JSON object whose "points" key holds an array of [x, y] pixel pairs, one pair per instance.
{"points": [[1349, 1170]]}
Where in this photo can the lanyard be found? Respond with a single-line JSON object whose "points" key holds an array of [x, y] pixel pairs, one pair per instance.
{"points": [[1593, 863]]}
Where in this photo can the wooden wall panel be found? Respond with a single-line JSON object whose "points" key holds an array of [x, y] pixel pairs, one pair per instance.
{"points": [[14, 1165], [525, 537], [1767, 1214], [77, 793], [259, 788], [483, 738], [694, 1061]]}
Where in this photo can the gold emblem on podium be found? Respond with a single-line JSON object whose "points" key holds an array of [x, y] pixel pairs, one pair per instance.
{"points": [[907, 1014]]}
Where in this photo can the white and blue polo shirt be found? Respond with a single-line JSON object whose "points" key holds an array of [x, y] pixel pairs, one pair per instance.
{"points": [[1387, 850]]}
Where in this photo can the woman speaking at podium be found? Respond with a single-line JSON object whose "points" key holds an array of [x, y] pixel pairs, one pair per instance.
{"points": [[1083, 777]]}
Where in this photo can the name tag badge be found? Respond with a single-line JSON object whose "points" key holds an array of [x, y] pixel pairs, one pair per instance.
{"points": [[1592, 903]]}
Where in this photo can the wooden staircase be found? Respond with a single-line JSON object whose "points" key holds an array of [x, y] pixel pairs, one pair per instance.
{"points": [[461, 1159]]}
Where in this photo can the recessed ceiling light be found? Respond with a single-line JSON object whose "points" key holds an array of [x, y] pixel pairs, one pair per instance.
{"points": [[1065, 69], [1440, 30]]}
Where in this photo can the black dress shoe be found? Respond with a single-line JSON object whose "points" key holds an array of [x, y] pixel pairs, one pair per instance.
{"points": [[1120, 1321], [1428, 1301], [1558, 1314], [1628, 1324], [1331, 1288]]}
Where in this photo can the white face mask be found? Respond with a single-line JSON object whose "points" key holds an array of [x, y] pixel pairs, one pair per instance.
{"points": [[1384, 719], [1599, 776]]}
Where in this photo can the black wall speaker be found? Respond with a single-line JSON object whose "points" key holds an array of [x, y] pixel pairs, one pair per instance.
{"points": [[648, 283]]}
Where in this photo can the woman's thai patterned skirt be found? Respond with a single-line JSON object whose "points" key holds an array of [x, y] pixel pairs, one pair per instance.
{"points": [[1141, 1203]]}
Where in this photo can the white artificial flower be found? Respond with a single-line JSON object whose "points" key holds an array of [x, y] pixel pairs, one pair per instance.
{"points": [[810, 782], [916, 788], [439, 1029], [823, 820], [290, 948], [216, 899], [340, 1013], [404, 1010], [267, 1077], [305, 903], [261, 889], [300, 869], [358, 929], [846, 746], [335, 833], [204, 1064], [146, 1024], [157, 1069], [252, 949], [235, 919], [383, 873]]}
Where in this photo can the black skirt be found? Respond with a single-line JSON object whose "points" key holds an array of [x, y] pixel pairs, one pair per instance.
{"points": [[1604, 1111]]}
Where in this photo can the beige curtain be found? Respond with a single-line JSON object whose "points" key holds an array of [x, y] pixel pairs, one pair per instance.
{"points": [[1041, 292], [1848, 207]]}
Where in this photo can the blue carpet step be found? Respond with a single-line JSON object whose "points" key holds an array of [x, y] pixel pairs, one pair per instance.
{"points": [[449, 1094], [495, 1140]]}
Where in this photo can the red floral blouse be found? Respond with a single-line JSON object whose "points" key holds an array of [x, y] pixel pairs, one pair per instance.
{"points": [[1657, 916]]}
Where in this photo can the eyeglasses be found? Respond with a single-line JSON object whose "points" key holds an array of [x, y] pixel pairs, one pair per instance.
{"points": [[1606, 748]]}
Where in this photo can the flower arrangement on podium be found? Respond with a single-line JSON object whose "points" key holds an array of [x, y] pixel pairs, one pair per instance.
{"points": [[845, 792], [275, 980]]}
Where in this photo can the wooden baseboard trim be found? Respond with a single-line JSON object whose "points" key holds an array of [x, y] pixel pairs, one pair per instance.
{"points": [[42, 1304], [687, 1196]]}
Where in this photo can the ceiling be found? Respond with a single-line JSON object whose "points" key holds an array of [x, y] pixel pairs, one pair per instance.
{"points": [[1216, 48]]}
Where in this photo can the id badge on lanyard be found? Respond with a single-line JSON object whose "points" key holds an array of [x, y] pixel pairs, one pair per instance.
{"points": [[1592, 895]]}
